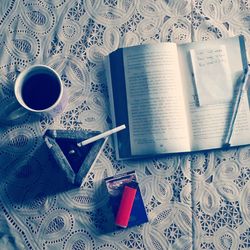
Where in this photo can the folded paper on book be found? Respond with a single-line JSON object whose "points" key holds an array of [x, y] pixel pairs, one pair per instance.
{"points": [[212, 75]]}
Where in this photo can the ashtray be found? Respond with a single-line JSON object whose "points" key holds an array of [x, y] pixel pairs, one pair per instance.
{"points": [[74, 160]]}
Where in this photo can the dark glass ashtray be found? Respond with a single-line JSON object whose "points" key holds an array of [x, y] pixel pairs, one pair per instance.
{"points": [[74, 160]]}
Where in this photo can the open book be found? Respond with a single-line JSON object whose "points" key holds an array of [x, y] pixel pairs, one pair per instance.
{"points": [[155, 91]]}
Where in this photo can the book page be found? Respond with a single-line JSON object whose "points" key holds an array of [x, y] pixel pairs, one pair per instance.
{"points": [[156, 111], [210, 123], [241, 129]]}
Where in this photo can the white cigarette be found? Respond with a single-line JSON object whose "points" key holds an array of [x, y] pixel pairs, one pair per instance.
{"points": [[100, 136]]}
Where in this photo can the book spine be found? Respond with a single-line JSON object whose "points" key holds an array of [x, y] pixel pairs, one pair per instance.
{"points": [[119, 98], [111, 101]]}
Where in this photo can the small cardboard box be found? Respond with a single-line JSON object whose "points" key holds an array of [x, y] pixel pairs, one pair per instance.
{"points": [[115, 185]]}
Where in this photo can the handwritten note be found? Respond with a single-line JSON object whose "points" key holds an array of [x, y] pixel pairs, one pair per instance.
{"points": [[212, 75]]}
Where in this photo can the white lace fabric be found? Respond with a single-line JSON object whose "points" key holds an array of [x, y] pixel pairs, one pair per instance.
{"points": [[193, 201]]}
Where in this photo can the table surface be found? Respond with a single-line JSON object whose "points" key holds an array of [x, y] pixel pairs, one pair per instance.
{"points": [[193, 201]]}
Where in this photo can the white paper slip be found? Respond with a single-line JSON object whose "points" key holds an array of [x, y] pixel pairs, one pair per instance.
{"points": [[212, 75]]}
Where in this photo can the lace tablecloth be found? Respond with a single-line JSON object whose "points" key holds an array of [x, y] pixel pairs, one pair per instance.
{"points": [[194, 201]]}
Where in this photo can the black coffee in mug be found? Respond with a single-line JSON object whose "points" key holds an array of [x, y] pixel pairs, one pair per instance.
{"points": [[41, 90]]}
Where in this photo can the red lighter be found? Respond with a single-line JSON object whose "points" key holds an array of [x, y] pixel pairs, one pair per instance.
{"points": [[126, 204]]}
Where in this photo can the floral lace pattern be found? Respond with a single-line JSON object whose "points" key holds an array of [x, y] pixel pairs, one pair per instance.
{"points": [[193, 201]]}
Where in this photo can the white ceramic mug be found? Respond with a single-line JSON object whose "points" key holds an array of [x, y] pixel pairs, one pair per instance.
{"points": [[39, 89]]}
